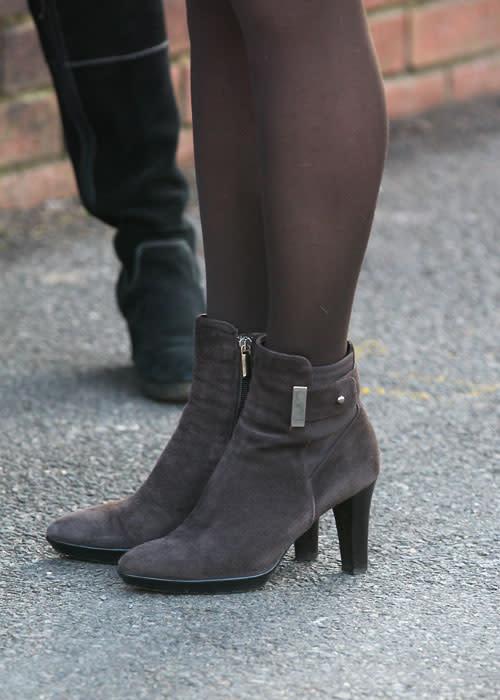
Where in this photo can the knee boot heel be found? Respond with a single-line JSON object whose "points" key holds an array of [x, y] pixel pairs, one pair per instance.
{"points": [[352, 518], [306, 547]]}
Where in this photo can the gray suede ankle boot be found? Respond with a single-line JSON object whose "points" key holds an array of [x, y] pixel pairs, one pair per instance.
{"points": [[220, 385], [303, 444]]}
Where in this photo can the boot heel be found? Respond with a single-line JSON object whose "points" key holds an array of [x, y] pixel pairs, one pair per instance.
{"points": [[352, 518], [306, 547]]}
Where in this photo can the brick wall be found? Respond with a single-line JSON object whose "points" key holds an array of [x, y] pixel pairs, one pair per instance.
{"points": [[431, 52]]}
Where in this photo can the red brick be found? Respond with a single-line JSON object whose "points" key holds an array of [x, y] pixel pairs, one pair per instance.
{"points": [[375, 4], [185, 151], [12, 7], [177, 77], [177, 30], [453, 28], [476, 78], [389, 36], [180, 73], [29, 129], [27, 188], [411, 95], [23, 65], [188, 105]]}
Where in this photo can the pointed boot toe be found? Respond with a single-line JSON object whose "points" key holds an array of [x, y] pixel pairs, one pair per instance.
{"points": [[156, 564], [174, 564], [140, 564], [93, 534]]}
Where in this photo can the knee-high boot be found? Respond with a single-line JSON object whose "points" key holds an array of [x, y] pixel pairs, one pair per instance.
{"points": [[109, 63]]}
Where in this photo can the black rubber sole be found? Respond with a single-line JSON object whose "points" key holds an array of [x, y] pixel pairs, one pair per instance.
{"points": [[98, 555], [177, 392], [221, 585]]}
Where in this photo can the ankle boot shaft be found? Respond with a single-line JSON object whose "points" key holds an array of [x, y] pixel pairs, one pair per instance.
{"points": [[302, 394], [342, 455]]}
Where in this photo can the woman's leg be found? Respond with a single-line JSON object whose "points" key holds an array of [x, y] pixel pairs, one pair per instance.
{"points": [[322, 130], [303, 443], [227, 167]]}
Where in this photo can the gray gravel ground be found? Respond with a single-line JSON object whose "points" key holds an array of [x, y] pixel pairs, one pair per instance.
{"points": [[75, 430]]}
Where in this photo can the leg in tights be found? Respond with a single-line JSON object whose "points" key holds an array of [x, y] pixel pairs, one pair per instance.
{"points": [[321, 141], [227, 167]]}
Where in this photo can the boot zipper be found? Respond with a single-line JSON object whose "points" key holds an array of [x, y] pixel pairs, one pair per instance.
{"points": [[245, 343]]}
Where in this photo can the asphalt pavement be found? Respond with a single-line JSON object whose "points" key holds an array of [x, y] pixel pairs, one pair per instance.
{"points": [[75, 430]]}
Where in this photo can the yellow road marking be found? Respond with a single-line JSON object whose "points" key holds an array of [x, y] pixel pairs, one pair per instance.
{"points": [[468, 388], [426, 396]]}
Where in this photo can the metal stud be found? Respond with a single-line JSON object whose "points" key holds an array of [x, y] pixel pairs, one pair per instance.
{"points": [[340, 399]]}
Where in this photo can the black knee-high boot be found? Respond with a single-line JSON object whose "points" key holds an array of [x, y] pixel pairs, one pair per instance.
{"points": [[110, 69]]}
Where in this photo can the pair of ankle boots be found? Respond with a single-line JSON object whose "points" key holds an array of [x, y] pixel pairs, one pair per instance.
{"points": [[265, 446]]}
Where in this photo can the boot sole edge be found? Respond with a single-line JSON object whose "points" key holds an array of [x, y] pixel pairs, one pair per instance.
{"points": [[98, 555], [177, 392], [225, 585]]}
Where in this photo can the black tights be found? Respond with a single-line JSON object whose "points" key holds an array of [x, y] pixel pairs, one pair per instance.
{"points": [[290, 140]]}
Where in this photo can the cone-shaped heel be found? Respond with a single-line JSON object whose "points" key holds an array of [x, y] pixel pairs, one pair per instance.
{"points": [[352, 518], [306, 547]]}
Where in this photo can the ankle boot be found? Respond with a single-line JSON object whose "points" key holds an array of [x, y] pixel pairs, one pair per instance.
{"points": [[303, 445], [220, 385]]}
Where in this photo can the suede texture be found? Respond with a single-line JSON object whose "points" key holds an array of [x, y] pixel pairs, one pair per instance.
{"points": [[176, 482], [160, 302], [119, 114], [273, 481]]}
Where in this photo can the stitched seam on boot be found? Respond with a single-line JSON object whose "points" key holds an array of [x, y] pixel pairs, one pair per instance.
{"points": [[337, 442], [117, 59], [171, 243]]}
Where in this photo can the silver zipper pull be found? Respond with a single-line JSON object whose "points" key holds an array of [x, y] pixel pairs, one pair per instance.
{"points": [[246, 350]]}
